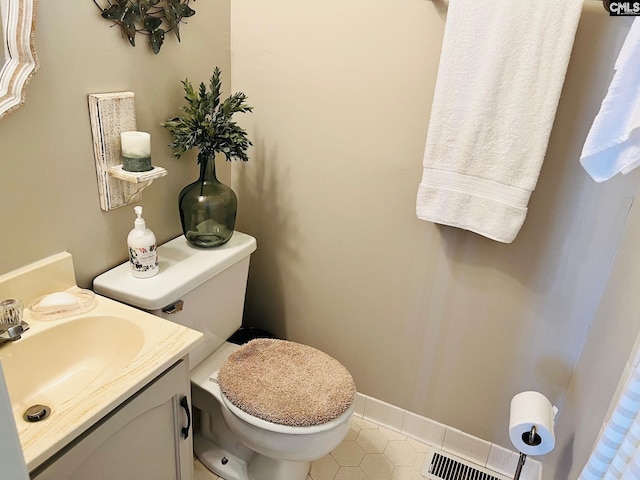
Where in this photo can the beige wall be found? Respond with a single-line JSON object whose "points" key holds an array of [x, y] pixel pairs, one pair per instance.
{"points": [[48, 191], [436, 320]]}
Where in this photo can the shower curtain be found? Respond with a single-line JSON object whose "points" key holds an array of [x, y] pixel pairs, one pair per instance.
{"points": [[616, 455]]}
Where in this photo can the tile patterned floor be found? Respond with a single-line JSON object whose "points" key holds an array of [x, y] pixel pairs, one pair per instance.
{"points": [[369, 452]]}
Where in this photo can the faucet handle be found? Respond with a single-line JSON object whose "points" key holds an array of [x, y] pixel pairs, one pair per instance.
{"points": [[11, 324], [11, 311]]}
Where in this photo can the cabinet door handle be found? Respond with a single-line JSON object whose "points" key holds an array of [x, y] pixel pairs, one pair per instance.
{"points": [[184, 403]]}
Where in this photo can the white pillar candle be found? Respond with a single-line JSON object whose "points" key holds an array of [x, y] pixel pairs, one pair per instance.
{"points": [[136, 144]]}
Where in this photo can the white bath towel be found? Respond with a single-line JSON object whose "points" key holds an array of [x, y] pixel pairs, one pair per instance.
{"points": [[501, 72], [613, 143]]}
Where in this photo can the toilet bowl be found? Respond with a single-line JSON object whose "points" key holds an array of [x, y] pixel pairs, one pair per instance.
{"points": [[204, 289], [268, 450]]}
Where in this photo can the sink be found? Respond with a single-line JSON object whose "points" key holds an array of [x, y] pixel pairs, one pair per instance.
{"points": [[54, 365], [81, 365]]}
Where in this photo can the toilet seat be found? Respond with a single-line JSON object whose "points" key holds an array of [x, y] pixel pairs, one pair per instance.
{"points": [[285, 383], [287, 429]]}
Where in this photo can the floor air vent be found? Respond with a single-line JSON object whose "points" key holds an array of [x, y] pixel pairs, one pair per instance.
{"points": [[441, 465]]}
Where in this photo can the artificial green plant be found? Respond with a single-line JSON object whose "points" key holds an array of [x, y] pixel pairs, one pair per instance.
{"points": [[206, 122]]}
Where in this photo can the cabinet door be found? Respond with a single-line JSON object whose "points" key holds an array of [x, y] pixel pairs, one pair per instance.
{"points": [[141, 440]]}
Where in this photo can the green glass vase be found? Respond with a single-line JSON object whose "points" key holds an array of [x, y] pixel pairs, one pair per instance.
{"points": [[207, 208]]}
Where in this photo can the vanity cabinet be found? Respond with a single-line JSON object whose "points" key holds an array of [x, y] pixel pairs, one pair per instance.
{"points": [[142, 439]]}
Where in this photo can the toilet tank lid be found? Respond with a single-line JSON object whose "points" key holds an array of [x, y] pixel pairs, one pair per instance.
{"points": [[183, 267]]}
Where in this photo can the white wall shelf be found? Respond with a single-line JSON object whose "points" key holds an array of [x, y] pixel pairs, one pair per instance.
{"points": [[137, 177], [112, 114]]}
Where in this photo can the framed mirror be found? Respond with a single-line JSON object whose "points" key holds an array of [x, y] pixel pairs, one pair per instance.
{"points": [[18, 60]]}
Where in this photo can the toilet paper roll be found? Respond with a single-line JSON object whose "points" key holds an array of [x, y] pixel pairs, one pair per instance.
{"points": [[530, 409]]}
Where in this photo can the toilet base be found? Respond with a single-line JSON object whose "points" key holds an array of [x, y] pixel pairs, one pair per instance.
{"points": [[223, 464], [219, 449], [221, 452], [230, 467], [265, 468]]}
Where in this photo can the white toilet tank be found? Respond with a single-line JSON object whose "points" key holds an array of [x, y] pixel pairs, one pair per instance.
{"points": [[211, 284]]}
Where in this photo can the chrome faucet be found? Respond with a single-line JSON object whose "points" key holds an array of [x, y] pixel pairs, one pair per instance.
{"points": [[11, 324]]}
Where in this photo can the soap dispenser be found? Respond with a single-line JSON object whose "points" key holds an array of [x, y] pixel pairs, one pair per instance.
{"points": [[143, 257]]}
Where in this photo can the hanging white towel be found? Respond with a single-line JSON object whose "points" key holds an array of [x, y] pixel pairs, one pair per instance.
{"points": [[613, 143], [501, 72]]}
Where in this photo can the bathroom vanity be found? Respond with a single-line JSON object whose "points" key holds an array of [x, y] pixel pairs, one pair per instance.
{"points": [[115, 380], [141, 439]]}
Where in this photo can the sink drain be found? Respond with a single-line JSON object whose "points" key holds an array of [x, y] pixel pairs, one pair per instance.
{"points": [[35, 413]]}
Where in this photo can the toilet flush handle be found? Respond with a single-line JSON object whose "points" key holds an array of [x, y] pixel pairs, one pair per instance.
{"points": [[174, 307]]}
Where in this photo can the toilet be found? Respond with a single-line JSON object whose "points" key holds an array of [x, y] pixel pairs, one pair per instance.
{"points": [[266, 409]]}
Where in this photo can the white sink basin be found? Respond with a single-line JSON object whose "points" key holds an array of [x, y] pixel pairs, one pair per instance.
{"points": [[53, 366]]}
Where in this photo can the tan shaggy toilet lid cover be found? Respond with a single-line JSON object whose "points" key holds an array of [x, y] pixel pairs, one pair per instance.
{"points": [[286, 383]]}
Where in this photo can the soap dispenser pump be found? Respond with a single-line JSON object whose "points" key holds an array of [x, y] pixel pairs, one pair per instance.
{"points": [[143, 257]]}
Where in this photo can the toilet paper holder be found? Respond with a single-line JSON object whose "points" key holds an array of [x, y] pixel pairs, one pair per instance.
{"points": [[531, 425], [532, 439]]}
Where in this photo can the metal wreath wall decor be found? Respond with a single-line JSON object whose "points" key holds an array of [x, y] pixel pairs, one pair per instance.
{"points": [[152, 18]]}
